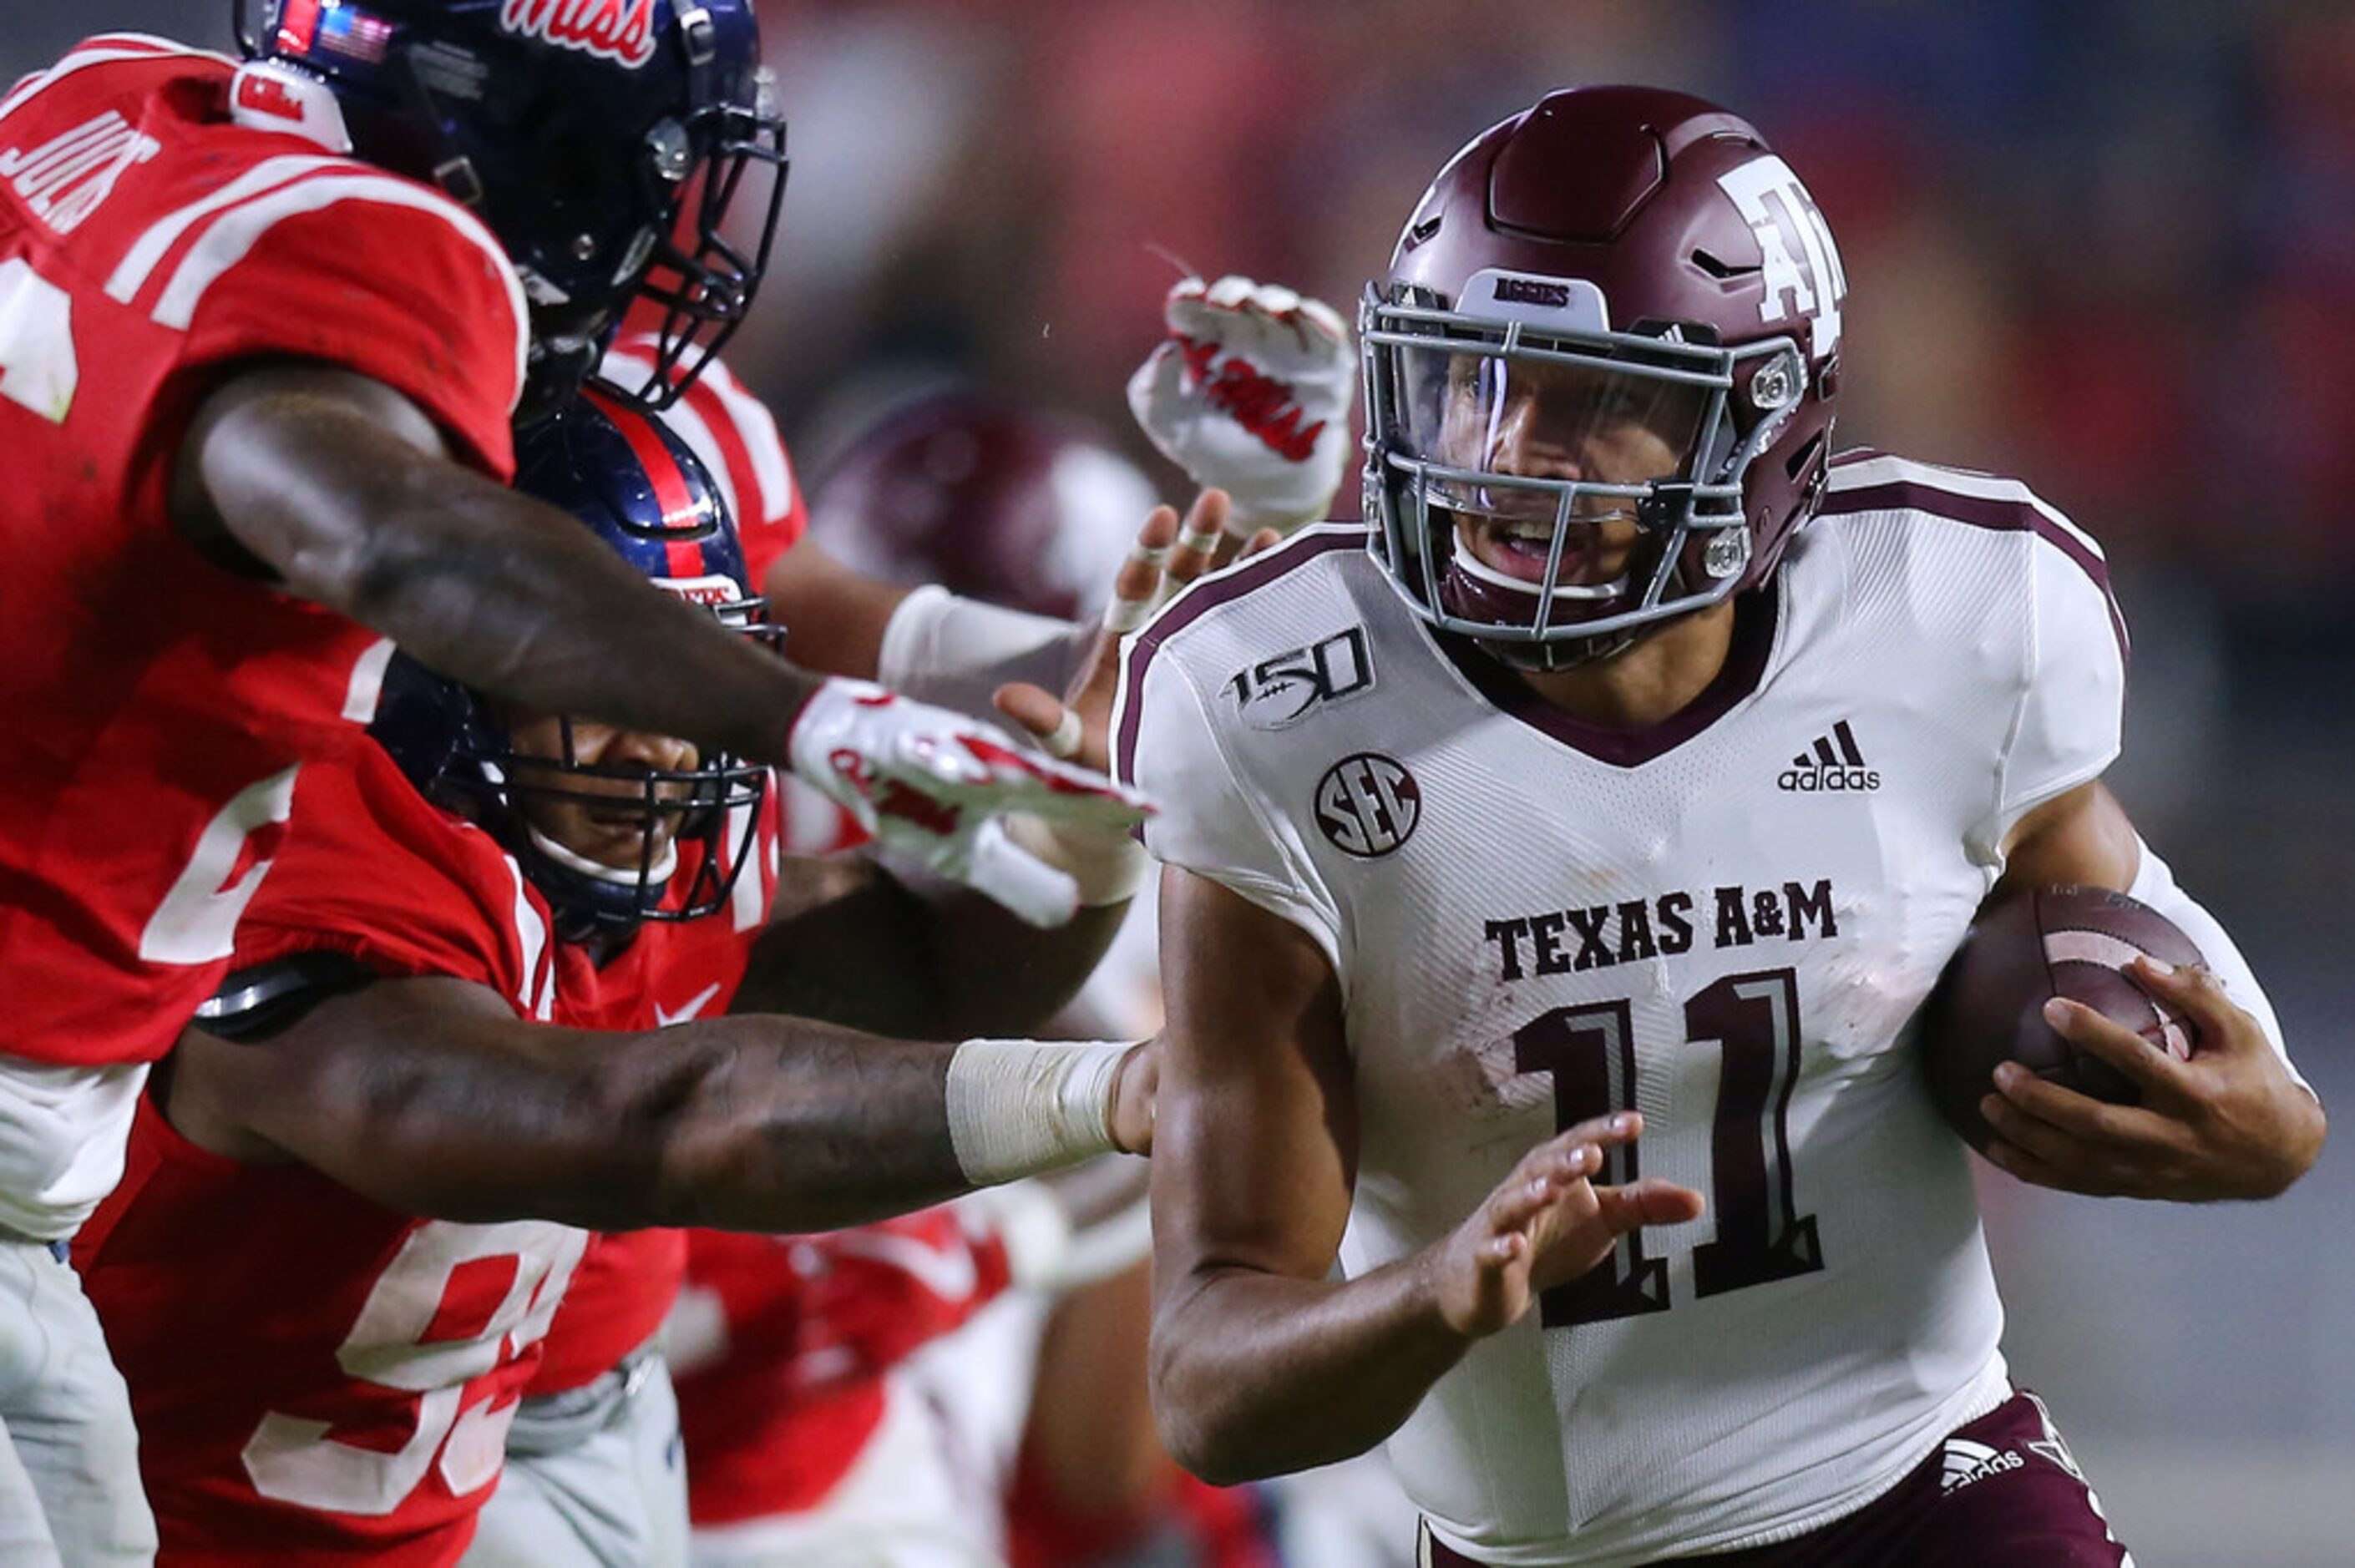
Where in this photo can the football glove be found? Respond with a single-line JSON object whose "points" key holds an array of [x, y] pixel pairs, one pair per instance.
{"points": [[934, 786], [1251, 393]]}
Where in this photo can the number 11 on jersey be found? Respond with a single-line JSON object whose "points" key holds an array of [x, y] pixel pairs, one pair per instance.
{"points": [[1589, 1050]]}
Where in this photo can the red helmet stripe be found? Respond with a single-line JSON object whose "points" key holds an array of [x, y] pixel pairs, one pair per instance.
{"points": [[671, 492]]}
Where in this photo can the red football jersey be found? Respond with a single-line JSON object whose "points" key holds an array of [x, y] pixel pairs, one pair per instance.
{"points": [[788, 1398], [316, 1378], [671, 973], [156, 705], [624, 1287]]}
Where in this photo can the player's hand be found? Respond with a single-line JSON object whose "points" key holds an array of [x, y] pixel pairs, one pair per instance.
{"points": [[1544, 1226], [1250, 392], [1163, 559], [1106, 861], [1133, 1089], [2229, 1123], [936, 786]]}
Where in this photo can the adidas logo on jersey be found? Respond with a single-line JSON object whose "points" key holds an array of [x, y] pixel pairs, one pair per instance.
{"points": [[1967, 1461], [1835, 764]]}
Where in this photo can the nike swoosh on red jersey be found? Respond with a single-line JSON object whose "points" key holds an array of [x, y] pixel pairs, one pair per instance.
{"points": [[663, 1019]]}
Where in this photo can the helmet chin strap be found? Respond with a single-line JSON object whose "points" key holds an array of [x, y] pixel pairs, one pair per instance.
{"points": [[570, 860]]}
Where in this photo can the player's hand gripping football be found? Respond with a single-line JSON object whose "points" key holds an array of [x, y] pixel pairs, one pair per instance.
{"points": [[2231, 1122], [1544, 1226], [1249, 393], [936, 787]]}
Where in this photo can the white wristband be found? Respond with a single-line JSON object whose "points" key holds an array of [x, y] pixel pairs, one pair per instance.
{"points": [[1016, 1107], [939, 648]]}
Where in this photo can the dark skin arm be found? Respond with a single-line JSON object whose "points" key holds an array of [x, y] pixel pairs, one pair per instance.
{"points": [[1261, 1365], [838, 615], [428, 1095], [343, 490], [2230, 1123], [849, 943]]}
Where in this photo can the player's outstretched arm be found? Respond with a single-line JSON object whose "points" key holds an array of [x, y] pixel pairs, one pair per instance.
{"points": [[1261, 1365], [2231, 1122], [851, 942], [341, 487], [428, 1095]]}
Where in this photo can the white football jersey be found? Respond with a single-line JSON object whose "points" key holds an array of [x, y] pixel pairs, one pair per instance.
{"points": [[1724, 923]]}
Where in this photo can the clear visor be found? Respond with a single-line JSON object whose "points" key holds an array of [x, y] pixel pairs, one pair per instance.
{"points": [[1485, 419], [1536, 483]]}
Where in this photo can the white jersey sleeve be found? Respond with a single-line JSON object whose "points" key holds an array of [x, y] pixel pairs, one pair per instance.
{"points": [[2070, 722], [1169, 744], [2073, 704]]}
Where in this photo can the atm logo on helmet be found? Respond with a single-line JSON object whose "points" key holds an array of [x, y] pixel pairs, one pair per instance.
{"points": [[618, 30], [1805, 280]]}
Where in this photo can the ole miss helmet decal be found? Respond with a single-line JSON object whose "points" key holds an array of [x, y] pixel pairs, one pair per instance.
{"points": [[618, 30]]}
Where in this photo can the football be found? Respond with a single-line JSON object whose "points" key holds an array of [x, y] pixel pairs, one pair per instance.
{"points": [[1988, 1004]]}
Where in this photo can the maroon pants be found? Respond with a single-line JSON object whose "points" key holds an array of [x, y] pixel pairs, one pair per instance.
{"points": [[2003, 1488]]}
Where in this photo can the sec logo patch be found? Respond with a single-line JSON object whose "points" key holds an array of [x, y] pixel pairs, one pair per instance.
{"points": [[1367, 805]]}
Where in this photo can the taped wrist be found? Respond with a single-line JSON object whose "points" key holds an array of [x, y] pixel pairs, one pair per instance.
{"points": [[939, 648], [1108, 865], [1016, 1107]]}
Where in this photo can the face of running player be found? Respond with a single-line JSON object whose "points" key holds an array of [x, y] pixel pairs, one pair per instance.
{"points": [[1537, 419], [623, 835]]}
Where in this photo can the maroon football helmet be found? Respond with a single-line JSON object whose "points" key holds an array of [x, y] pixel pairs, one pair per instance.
{"points": [[1027, 509], [1610, 332]]}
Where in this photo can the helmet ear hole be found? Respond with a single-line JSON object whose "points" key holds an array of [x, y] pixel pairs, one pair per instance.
{"points": [[1777, 384]]}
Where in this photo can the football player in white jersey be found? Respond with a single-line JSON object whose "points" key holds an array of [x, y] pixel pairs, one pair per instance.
{"points": [[1636, 771]]}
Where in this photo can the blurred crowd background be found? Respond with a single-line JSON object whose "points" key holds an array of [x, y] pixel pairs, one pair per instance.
{"points": [[2107, 246]]}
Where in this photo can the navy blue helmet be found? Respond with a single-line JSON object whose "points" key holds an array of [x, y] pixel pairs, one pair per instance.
{"points": [[604, 142], [689, 831]]}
